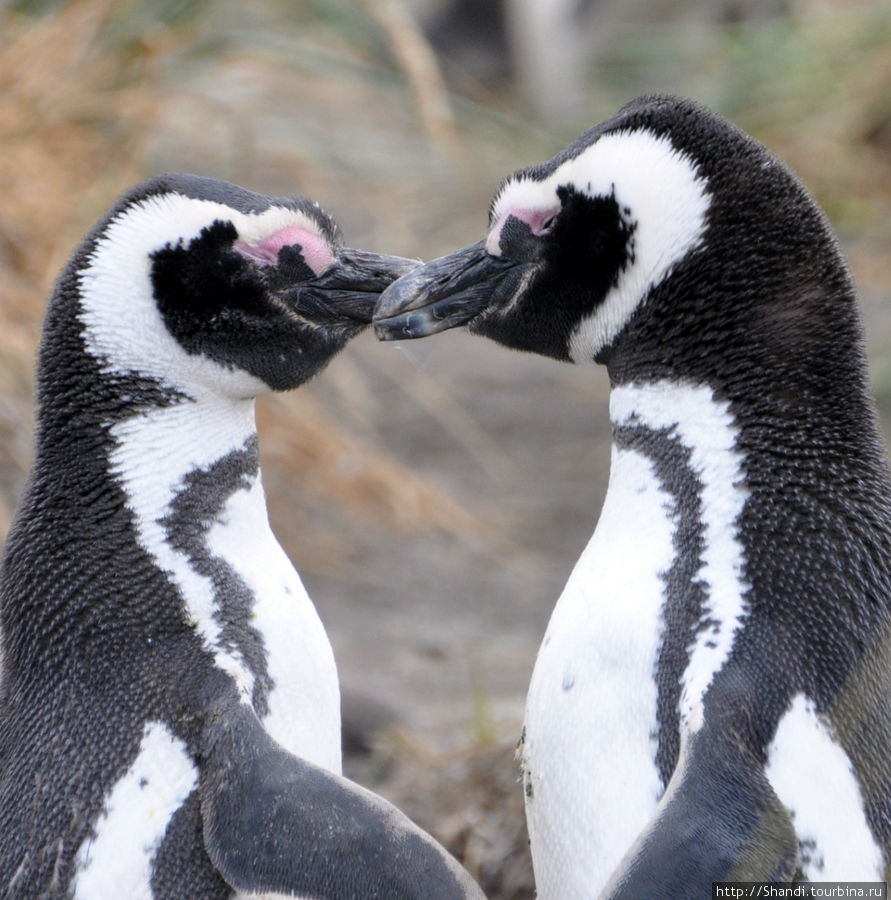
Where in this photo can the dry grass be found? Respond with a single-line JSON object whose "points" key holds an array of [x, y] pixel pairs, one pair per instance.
{"points": [[818, 95], [69, 137], [327, 465]]}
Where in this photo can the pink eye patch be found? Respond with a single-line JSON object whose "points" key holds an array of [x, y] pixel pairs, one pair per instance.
{"points": [[314, 249], [538, 220]]}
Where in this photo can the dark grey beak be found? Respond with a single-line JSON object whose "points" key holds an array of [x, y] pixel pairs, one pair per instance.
{"points": [[445, 293], [346, 292], [351, 286]]}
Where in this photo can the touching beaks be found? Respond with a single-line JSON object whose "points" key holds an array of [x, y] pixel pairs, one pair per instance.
{"points": [[349, 288], [445, 293]]}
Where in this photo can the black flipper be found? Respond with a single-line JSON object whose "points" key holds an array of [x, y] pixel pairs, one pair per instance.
{"points": [[273, 822], [719, 820]]}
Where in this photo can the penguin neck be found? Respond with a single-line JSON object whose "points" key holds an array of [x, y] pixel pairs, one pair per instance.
{"points": [[190, 475], [771, 442], [793, 377], [148, 442], [100, 421], [681, 442], [178, 465], [156, 474], [735, 499]]}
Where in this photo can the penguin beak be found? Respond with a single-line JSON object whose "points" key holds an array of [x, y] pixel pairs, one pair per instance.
{"points": [[445, 293], [349, 288]]}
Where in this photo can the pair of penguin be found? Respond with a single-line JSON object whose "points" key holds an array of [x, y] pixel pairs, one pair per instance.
{"points": [[710, 700]]}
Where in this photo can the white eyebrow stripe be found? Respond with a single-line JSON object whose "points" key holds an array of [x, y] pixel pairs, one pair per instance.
{"points": [[663, 195]]}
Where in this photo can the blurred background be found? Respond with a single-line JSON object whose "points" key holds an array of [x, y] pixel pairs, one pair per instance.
{"points": [[433, 495]]}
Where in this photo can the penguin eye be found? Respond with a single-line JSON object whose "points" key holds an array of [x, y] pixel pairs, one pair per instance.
{"points": [[548, 224]]}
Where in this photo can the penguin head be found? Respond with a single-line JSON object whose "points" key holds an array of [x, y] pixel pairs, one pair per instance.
{"points": [[197, 283], [661, 228]]}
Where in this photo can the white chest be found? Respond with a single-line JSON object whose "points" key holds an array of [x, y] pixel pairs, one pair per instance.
{"points": [[590, 778], [592, 728], [200, 513], [304, 699]]}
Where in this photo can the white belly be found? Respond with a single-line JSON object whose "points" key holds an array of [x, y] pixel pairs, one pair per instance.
{"points": [[590, 734]]}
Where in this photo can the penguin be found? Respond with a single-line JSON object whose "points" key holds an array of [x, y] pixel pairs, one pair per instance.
{"points": [[169, 705], [712, 697]]}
